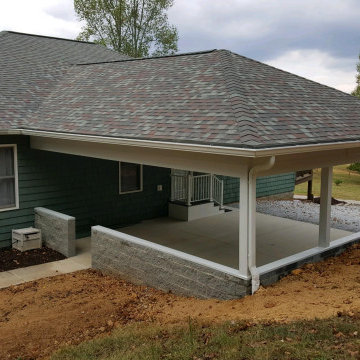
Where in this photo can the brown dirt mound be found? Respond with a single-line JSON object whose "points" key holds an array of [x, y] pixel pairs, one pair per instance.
{"points": [[38, 317]]}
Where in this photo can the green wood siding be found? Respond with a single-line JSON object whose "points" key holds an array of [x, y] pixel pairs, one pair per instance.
{"points": [[88, 189], [83, 187], [265, 186]]}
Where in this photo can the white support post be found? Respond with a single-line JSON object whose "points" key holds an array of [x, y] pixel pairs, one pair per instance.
{"points": [[243, 224], [325, 206], [252, 222], [211, 187], [189, 189]]}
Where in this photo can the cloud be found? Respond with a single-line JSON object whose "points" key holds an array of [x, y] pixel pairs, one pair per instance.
{"points": [[318, 66], [326, 32], [317, 39], [42, 17], [63, 10], [269, 27]]}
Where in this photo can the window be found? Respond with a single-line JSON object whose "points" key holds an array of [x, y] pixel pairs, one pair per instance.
{"points": [[8, 178], [130, 177]]}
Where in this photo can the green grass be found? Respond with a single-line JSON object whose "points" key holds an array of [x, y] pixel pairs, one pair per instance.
{"points": [[349, 189], [335, 338]]}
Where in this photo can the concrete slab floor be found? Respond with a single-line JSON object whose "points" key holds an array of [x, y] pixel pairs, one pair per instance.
{"points": [[216, 238], [81, 261]]}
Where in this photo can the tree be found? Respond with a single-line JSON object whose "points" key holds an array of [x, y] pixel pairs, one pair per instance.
{"points": [[137, 28], [356, 92]]}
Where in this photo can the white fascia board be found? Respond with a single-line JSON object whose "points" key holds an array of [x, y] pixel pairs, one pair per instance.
{"points": [[211, 149], [10, 132]]}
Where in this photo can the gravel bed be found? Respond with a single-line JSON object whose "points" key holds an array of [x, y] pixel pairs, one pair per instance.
{"points": [[343, 216]]}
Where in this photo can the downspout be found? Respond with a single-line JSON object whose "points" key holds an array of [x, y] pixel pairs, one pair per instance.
{"points": [[255, 276]]}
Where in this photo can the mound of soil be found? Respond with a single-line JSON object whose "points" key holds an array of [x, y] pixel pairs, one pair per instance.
{"points": [[333, 201], [12, 259], [37, 318]]}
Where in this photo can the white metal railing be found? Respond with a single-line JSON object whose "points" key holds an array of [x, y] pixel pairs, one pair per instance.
{"points": [[191, 189], [179, 185], [218, 190], [201, 187]]}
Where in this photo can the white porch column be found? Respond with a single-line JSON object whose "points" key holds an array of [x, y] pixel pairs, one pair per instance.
{"points": [[243, 224], [252, 222], [325, 206]]}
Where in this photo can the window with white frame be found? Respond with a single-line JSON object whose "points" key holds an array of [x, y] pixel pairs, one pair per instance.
{"points": [[130, 177], [8, 177]]}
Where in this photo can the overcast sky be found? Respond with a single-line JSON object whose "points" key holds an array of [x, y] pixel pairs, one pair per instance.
{"points": [[317, 39]]}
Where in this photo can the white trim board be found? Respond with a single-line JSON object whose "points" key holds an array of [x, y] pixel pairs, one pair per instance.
{"points": [[16, 176], [303, 255], [141, 180], [214, 149]]}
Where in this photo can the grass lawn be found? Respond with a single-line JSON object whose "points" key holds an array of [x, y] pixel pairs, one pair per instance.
{"points": [[349, 189], [336, 338]]}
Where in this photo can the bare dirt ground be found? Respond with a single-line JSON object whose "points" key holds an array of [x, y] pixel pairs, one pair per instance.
{"points": [[37, 318], [13, 259]]}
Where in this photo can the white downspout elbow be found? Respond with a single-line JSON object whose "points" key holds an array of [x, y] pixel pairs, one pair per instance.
{"points": [[255, 277]]}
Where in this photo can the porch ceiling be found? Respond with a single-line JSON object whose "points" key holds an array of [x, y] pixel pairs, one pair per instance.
{"points": [[216, 238]]}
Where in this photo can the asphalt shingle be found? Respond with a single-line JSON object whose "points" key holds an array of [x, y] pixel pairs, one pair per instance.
{"points": [[213, 98], [30, 65]]}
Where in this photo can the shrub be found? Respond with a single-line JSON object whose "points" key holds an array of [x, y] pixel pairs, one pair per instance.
{"points": [[338, 182], [354, 167]]}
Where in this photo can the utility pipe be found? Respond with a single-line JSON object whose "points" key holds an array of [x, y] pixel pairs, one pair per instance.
{"points": [[255, 276]]}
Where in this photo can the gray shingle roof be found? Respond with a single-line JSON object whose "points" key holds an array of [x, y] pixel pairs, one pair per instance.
{"points": [[214, 98], [30, 65]]}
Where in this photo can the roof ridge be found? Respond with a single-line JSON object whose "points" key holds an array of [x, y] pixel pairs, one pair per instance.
{"points": [[287, 72], [245, 123], [47, 37], [150, 57]]}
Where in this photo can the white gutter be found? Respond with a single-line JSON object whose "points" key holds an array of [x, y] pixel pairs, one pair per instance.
{"points": [[255, 276], [211, 149]]}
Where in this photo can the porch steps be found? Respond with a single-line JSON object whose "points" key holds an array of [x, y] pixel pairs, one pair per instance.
{"points": [[196, 211]]}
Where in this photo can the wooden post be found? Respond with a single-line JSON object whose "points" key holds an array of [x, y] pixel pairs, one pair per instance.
{"points": [[325, 206], [310, 195]]}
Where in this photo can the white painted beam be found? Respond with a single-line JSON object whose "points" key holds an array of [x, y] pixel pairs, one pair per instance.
{"points": [[325, 206], [183, 160], [310, 160]]}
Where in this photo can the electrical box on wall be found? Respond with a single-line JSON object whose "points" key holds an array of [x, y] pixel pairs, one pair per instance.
{"points": [[159, 188]]}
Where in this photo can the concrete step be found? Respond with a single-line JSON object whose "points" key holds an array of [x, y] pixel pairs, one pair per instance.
{"points": [[197, 211]]}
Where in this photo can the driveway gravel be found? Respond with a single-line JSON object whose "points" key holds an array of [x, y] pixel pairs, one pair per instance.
{"points": [[343, 216]]}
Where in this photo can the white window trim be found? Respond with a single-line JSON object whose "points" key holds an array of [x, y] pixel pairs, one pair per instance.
{"points": [[14, 146], [141, 180]]}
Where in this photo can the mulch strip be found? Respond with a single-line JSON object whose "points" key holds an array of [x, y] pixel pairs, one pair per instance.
{"points": [[11, 259]]}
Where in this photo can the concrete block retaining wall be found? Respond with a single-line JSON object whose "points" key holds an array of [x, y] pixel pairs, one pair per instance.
{"points": [[273, 272], [58, 230], [144, 262]]}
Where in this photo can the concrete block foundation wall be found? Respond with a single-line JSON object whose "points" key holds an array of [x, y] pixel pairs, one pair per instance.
{"points": [[273, 272], [58, 230], [144, 262]]}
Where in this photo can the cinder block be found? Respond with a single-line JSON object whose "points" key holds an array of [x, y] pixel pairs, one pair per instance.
{"points": [[139, 262], [58, 230]]}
